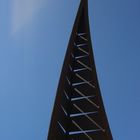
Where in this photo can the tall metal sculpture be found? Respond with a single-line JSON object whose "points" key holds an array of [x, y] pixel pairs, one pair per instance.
{"points": [[78, 112]]}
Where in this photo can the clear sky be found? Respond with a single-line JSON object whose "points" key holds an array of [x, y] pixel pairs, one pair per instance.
{"points": [[33, 39]]}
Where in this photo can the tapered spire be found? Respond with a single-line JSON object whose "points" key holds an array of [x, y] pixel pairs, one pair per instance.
{"points": [[79, 112]]}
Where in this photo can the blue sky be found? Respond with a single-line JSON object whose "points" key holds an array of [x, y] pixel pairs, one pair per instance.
{"points": [[33, 40]]}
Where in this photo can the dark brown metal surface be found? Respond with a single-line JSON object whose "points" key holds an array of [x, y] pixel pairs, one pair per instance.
{"points": [[78, 112]]}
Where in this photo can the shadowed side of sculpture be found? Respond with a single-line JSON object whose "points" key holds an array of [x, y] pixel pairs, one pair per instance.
{"points": [[78, 112]]}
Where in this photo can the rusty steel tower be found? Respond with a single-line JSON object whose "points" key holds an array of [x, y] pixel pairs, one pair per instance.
{"points": [[79, 112]]}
